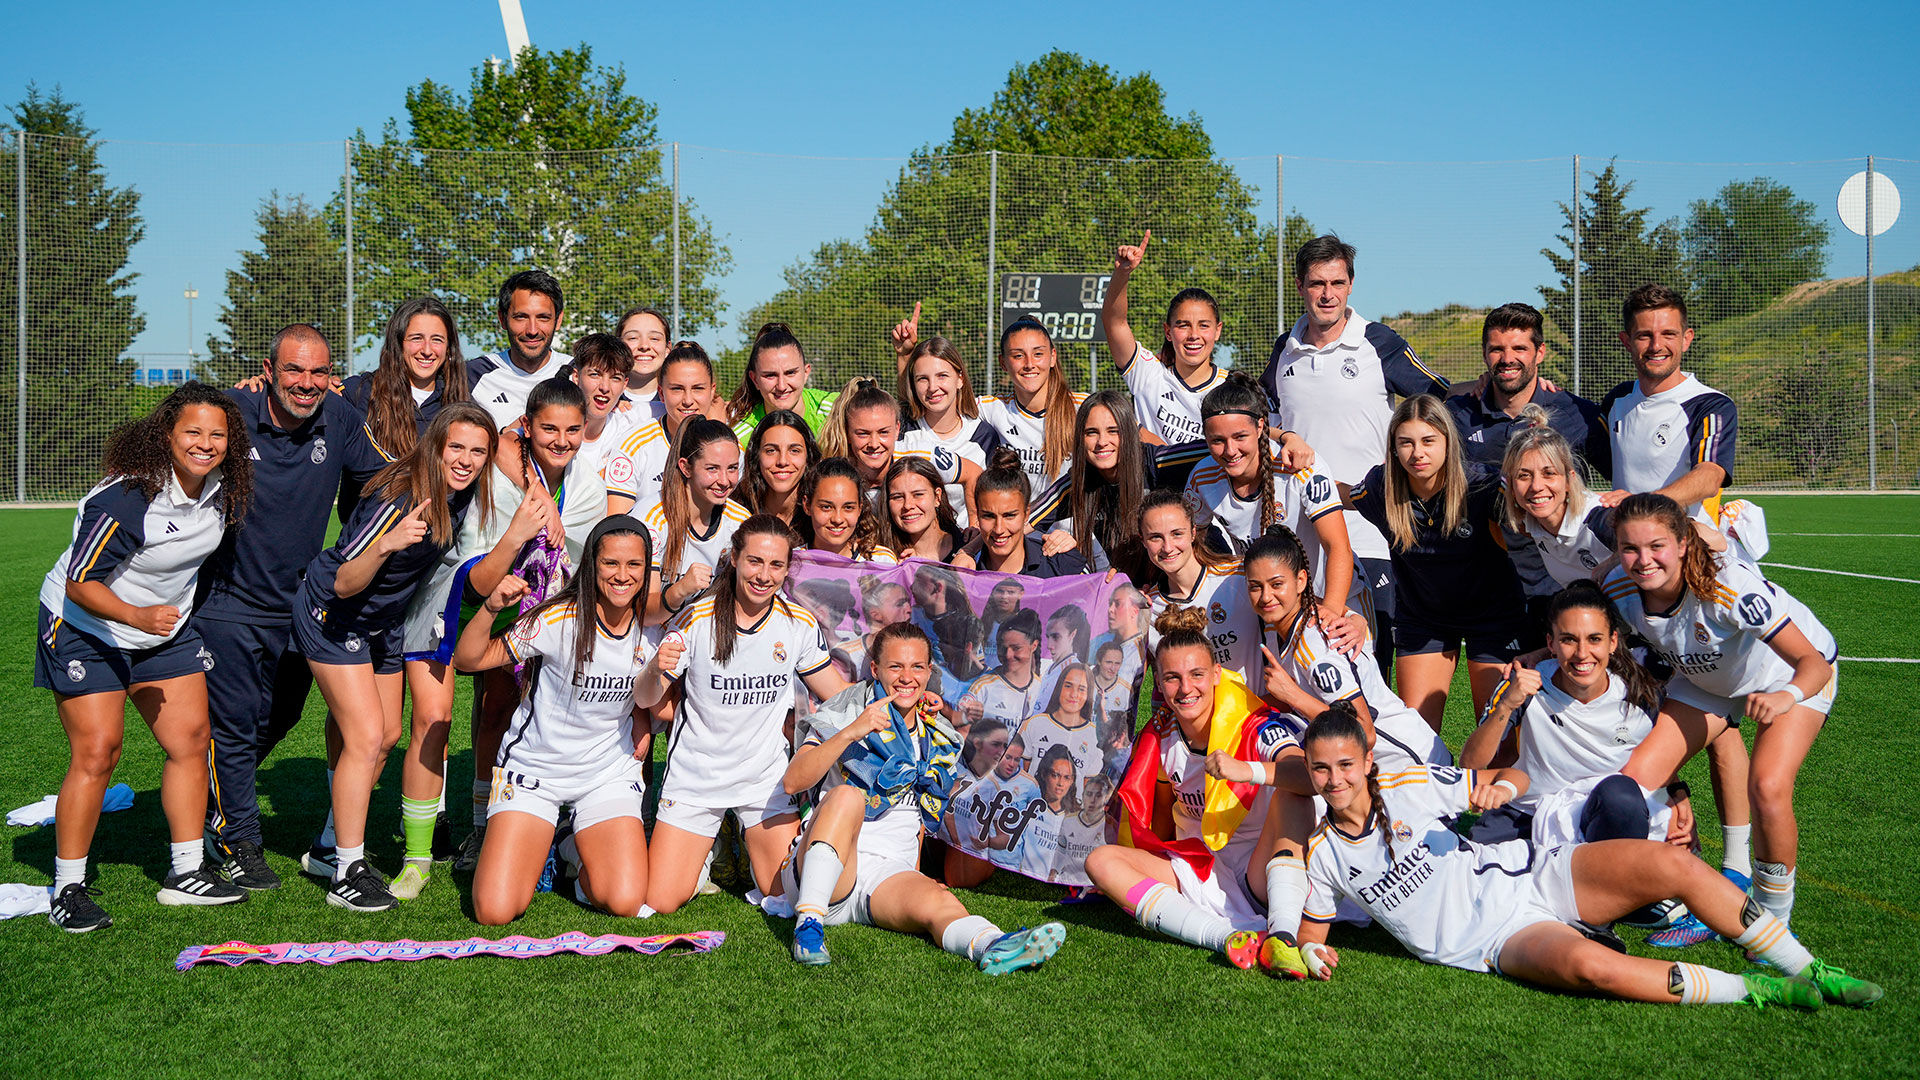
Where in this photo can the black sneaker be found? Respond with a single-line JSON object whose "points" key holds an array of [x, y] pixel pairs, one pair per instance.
{"points": [[443, 846], [363, 889], [317, 861], [75, 912], [468, 856], [246, 866], [199, 888]]}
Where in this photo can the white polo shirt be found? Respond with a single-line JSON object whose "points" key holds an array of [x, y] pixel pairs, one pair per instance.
{"points": [[148, 552], [1339, 398]]}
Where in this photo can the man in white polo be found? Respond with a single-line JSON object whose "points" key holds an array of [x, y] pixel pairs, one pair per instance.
{"points": [[529, 309], [1333, 379]]}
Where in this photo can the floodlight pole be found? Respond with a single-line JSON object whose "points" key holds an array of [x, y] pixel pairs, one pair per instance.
{"points": [[20, 321], [1576, 273], [993, 225]]}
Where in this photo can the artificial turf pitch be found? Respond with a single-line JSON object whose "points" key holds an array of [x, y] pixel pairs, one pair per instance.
{"points": [[1116, 1001]]}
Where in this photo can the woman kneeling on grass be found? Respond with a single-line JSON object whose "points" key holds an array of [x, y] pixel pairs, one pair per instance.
{"points": [[1214, 812], [571, 741], [884, 759], [1497, 907]]}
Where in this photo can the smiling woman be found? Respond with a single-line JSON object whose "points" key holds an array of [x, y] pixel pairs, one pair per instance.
{"points": [[776, 377]]}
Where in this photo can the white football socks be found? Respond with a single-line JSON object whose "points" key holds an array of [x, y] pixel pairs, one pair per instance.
{"points": [[1768, 938], [969, 937], [68, 872], [1773, 888], [817, 879], [1698, 985], [187, 855], [1161, 907], [1736, 854], [1286, 894], [345, 857]]}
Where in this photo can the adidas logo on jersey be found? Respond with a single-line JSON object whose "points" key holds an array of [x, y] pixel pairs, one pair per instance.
{"points": [[172, 527], [500, 398], [1352, 872], [1476, 437]]}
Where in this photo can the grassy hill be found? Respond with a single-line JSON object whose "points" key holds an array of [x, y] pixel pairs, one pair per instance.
{"points": [[1797, 369]]}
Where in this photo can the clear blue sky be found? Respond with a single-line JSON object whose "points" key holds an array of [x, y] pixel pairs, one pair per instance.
{"points": [[1412, 83]]}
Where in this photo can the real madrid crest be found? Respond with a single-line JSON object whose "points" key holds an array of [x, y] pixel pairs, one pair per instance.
{"points": [[779, 652], [1350, 368], [319, 452], [1700, 633], [1402, 833]]}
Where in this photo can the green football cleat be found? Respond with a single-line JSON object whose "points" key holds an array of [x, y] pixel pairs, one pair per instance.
{"points": [[1281, 958], [1839, 987], [1765, 990]]}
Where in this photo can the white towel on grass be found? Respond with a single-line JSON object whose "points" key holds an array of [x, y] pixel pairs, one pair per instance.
{"points": [[118, 797], [18, 900]]}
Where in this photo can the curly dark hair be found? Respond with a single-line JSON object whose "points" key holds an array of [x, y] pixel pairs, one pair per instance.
{"points": [[140, 450]]}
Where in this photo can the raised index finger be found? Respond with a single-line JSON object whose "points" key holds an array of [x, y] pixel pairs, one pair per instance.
{"points": [[916, 313], [1148, 235], [416, 513]]}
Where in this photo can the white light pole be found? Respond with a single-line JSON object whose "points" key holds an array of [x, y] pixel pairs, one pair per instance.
{"points": [[191, 294]]}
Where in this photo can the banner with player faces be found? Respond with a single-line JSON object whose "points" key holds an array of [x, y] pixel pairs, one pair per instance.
{"points": [[1043, 676]]}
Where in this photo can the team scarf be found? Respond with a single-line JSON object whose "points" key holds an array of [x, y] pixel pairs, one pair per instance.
{"points": [[543, 565], [914, 759], [1238, 717]]}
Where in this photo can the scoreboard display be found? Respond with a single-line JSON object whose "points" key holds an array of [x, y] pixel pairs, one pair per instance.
{"points": [[1068, 305]]}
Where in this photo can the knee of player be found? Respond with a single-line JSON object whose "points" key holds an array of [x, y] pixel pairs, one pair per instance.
{"points": [[1593, 966], [1770, 792], [624, 901], [1105, 861], [494, 910], [96, 755]]}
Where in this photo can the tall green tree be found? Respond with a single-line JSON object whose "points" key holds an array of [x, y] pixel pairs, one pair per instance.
{"points": [[1619, 252], [1749, 244], [295, 274], [550, 163], [1069, 159], [81, 313]]}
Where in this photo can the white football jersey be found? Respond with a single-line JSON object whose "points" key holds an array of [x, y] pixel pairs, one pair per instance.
{"points": [[975, 440], [1563, 741], [647, 446], [1658, 438], [1042, 732], [895, 832], [1401, 737], [572, 727], [1027, 433], [1300, 499], [501, 387], [700, 546], [607, 457], [1002, 700], [1166, 405], [727, 741], [1723, 647], [1185, 770], [1231, 624], [1440, 896]]}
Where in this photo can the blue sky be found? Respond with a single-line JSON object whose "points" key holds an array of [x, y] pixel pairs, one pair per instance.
{"points": [[274, 88]]}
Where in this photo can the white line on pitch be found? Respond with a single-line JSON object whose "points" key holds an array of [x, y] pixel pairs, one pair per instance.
{"points": [[1842, 573], [1907, 536], [1880, 660]]}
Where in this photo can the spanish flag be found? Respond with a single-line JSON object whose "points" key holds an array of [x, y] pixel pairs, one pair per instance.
{"points": [[1238, 716]]}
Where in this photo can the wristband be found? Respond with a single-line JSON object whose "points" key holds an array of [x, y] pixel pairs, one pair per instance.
{"points": [[1259, 772], [1678, 790], [1512, 792], [1798, 695]]}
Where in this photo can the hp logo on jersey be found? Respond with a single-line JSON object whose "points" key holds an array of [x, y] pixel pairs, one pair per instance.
{"points": [[1754, 609], [1326, 678], [1320, 489], [319, 452]]}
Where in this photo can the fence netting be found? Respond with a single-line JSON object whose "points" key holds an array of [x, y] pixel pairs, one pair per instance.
{"points": [[125, 267]]}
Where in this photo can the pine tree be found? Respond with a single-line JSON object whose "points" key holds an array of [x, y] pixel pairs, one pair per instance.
{"points": [[296, 274], [81, 314], [1618, 253]]}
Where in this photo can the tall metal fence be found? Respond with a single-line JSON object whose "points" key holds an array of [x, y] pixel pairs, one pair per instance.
{"points": [[128, 264]]}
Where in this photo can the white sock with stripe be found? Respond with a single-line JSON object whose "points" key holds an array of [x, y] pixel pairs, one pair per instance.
{"points": [[1286, 894], [817, 879], [969, 937], [1696, 985], [482, 791], [345, 857], [1773, 888], [1161, 907], [186, 855], [1768, 938], [68, 872], [1736, 854]]}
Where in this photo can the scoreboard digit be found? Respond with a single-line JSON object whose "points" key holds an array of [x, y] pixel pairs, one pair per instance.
{"points": [[1068, 305]]}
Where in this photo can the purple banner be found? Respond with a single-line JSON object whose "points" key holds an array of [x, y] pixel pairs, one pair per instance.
{"points": [[1044, 675], [234, 953]]}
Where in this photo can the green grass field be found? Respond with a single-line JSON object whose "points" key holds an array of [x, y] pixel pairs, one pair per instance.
{"points": [[1114, 1002]]}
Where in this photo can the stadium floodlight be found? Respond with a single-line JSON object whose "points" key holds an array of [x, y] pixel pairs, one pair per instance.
{"points": [[516, 27], [1869, 203]]}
